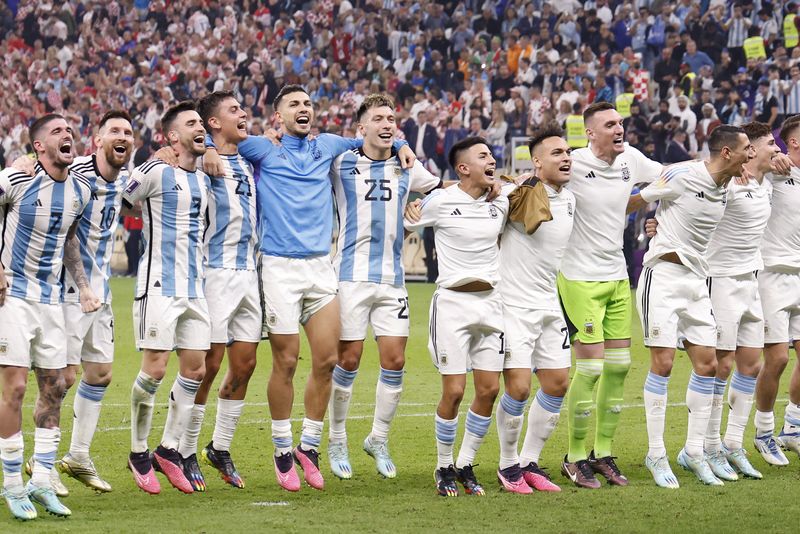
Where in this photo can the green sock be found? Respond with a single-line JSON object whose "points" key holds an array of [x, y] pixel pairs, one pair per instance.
{"points": [[609, 398], [579, 405]]}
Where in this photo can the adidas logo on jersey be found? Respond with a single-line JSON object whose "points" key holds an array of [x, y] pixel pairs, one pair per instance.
{"points": [[355, 171], [38, 203], [177, 187], [281, 155], [94, 195], [456, 212], [749, 195], [591, 175], [700, 195]]}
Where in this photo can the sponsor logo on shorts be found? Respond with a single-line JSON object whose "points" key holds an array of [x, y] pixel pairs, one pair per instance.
{"points": [[152, 332], [588, 328]]}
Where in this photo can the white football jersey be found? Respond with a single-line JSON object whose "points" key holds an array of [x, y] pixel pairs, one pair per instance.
{"points": [[466, 232], [529, 263], [601, 196], [36, 212], [96, 229], [173, 206], [370, 199], [781, 245], [231, 240], [735, 247], [691, 206]]}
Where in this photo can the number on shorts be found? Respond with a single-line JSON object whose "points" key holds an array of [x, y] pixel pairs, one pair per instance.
{"points": [[403, 313], [502, 343], [565, 344]]}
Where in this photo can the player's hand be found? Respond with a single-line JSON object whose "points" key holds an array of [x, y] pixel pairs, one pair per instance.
{"points": [[167, 155], [414, 211], [89, 301], [494, 191], [650, 227], [407, 157], [781, 164], [25, 164], [3, 286], [212, 163], [274, 136]]}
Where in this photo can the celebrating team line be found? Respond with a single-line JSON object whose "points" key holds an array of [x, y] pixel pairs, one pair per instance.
{"points": [[238, 249]]}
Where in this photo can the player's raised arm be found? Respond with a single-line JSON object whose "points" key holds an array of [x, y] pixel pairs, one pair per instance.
{"points": [[337, 144]]}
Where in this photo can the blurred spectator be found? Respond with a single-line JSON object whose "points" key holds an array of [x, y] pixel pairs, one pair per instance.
{"points": [[676, 150]]}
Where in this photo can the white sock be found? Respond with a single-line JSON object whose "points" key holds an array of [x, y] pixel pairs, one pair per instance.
{"points": [[311, 434], [88, 400], [740, 401], [509, 427], [655, 409], [476, 428], [339, 405], [228, 413], [282, 436], [387, 398], [712, 442], [542, 420], [699, 397], [188, 442], [11, 454], [445, 438], [791, 419], [764, 423], [143, 395], [181, 402], [45, 446]]}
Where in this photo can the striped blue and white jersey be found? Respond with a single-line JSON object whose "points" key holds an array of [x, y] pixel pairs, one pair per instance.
{"points": [[231, 240], [96, 229], [174, 203], [36, 212], [370, 199]]}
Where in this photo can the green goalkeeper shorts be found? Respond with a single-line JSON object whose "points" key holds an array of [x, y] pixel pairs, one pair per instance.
{"points": [[596, 311]]}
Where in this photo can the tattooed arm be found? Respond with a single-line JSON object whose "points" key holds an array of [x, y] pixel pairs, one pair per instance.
{"points": [[72, 261]]}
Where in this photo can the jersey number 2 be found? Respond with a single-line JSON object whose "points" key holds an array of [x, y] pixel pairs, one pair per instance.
{"points": [[383, 186]]}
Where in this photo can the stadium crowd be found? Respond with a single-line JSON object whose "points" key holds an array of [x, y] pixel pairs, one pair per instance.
{"points": [[500, 68]]}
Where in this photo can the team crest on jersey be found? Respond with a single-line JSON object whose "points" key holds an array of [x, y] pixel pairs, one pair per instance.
{"points": [[588, 328], [152, 332], [398, 171], [493, 211], [133, 185], [3, 347], [626, 173], [569, 209], [316, 153], [75, 204]]}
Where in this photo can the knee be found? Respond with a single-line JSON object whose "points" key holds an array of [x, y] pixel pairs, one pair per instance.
{"points": [[749, 369], [243, 368], [487, 393], [323, 365], [558, 387], [194, 370], [102, 377], [706, 367], [452, 397], [724, 367], [349, 358], [393, 361], [56, 388], [14, 393], [284, 364], [70, 375], [212, 367], [662, 366], [518, 390]]}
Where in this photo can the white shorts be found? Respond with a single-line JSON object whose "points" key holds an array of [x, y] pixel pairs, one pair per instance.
{"points": [[168, 323], [382, 306], [90, 336], [294, 289], [737, 311], [535, 339], [32, 334], [466, 331], [780, 298], [234, 305], [674, 306]]}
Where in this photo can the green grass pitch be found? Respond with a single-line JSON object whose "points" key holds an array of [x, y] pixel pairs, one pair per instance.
{"points": [[368, 503]]}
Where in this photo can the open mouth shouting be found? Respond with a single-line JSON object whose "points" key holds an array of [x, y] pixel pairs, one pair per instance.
{"points": [[565, 169], [65, 147], [618, 142], [385, 136], [303, 120], [242, 127], [121, 149]]}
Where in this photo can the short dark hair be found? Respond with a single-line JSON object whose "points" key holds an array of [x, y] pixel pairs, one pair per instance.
{"points": [[723, 136], [209, 104], [789, 126], [172, 113], [464, 144], [38, 125], [756, 130], [595, 108], [375, 100], [285, 90], [114, 114], [551, 130]]}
